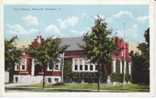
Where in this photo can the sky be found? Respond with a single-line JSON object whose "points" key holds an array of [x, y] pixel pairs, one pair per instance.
{"points": [[28, 21]]}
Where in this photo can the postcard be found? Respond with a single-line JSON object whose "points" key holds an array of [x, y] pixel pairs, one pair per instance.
{"points": [[60, 48]]}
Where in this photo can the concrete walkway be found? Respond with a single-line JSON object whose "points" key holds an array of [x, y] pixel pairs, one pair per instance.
{"points": [[16, 84], [36, 89]]}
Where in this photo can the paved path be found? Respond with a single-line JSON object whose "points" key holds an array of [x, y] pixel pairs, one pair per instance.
{"points": [[36, 89], [16, 84]]}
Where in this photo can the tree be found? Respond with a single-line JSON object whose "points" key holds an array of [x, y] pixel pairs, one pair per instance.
{"points": [[99, 47], [12, 56], [67, 70], [48, 51], [140, 62]]}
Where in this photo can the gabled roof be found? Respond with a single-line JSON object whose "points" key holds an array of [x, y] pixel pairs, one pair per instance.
{"points": [[72, 42]]}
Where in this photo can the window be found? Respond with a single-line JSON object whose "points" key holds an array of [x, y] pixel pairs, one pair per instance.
{"points": [[56, 67], [76, 67], [91, 67], [23, 67], [17, 67], [56, 80], [49, 80], [81, 67], [86, 67], [50, 65]]}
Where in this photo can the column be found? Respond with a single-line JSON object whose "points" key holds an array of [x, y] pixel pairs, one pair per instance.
{"points": [[129, 71], [83, 64], [73, 64], [78, 64], [120, 66], [124, 66], [89, 67], [94, 69], [26, 62], [129, 68], [124, 81], [33, 67], [114, 65]]}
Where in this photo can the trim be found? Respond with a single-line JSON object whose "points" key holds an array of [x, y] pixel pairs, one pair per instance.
{"points": [[17, 67]]}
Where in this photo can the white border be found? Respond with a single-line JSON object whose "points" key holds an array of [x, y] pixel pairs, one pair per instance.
{"points": [[85, 2], [75, 2], [153, 46], [1, 52]]}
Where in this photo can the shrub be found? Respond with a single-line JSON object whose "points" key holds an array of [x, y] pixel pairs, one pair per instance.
{"points": [[116, 77], [58, 84]]}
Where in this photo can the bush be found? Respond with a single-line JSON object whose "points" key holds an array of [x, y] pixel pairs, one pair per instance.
{"points": [[58, 84], [116, 77], [127, 77]]}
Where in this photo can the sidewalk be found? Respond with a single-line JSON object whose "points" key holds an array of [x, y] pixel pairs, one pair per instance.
{"points": [[36, 89], [12, 85]]}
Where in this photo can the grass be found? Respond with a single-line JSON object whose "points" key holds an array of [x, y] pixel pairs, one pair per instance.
{"points": [[84, 87]]}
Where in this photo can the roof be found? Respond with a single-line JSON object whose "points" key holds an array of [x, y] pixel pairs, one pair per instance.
{"points": [[73, 43]]}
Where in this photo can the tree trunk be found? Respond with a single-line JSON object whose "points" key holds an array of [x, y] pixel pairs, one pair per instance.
{"points": [[105, 71], [98, 81], [11, 74], [99, 77], [99, 74], [43, 84]]}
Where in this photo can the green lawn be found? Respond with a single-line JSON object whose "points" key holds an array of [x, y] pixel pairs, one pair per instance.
{"points": [[85, 87]]}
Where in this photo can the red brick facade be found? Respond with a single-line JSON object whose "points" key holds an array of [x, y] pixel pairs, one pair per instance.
{"points": [[121, 52]]}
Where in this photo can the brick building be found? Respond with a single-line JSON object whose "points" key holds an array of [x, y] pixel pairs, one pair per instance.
{"points": [[30, 71]]}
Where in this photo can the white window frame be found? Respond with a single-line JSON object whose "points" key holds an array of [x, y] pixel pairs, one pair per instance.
{"points": [[49, 79], [59, 65], [75, 66], [85, 67], [48, 69], [23, 64], [17, 67], [22, 67], [90, 67], [57, 79]]}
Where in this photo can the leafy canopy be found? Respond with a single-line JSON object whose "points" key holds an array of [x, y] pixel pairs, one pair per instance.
{"points": [[49, 50], [12, 53], [98, 42]]}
